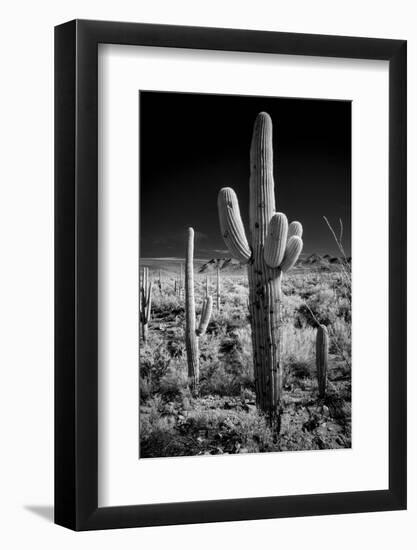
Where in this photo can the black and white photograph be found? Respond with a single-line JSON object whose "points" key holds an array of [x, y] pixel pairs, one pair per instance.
{"points": [[208, 238], [245, 274]]}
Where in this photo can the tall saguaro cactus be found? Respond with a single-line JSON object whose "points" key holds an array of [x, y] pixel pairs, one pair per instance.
{"points": [[272, 249], [322, 354], [145, 302], [191, 332]]}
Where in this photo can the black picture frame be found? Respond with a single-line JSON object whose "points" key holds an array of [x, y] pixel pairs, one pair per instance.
{"points": [[76, 272]]}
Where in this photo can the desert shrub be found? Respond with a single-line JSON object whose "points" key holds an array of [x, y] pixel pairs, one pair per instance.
{"points": [[227, 369], [341, 339], [298, 344], [231, 431], [290, 310], [145, 388], [247, 394], [174, 381], [160, 438], [154, 364], [167, 306], [209, 345], [255, 434], [216, 379], [224, 379], [206, 432], [175, 342], [155, 406]]}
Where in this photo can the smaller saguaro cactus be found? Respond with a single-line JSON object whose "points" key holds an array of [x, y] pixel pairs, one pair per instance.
{"points": [[192, 333], [207, 286], [145, 302], [181, 283], [322, 354], [218, 294]]}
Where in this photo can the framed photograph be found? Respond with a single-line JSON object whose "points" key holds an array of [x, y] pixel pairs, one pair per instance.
{"points": [[230, 254]]}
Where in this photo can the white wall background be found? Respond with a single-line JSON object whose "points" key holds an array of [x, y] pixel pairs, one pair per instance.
{"points": [[26, 273]]}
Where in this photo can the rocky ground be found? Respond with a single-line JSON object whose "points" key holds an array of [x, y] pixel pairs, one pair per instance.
{"points": [[214, 424]]}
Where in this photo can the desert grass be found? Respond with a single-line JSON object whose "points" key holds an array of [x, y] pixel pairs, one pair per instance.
{"points": [[223, 419]]}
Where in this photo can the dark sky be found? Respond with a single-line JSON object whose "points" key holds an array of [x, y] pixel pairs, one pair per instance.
{"points": [[191, 145]]}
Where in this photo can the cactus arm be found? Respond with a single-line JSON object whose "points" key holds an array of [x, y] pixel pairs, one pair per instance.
{"points": [[295, 228], [322, 354], [292, 253], [149, 302], [231, 225], [205, 315], [276, 240]]}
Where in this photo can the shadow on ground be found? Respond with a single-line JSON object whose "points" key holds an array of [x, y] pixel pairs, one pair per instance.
{"points": [[45, 512]]}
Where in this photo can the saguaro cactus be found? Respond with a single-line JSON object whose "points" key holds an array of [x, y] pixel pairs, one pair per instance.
{"points": [[218, 294], [191, 332], [181, 284], [322, 354], [271, 250], [145, 302]]}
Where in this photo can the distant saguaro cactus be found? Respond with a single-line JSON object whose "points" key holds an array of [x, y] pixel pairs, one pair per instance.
{"points": [[270, 251], [191, 332], [322, 354], [145, 302]]}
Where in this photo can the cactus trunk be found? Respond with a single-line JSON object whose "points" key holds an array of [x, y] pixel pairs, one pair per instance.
{"points": [[191, 340], [322, 354], [264, 281]]}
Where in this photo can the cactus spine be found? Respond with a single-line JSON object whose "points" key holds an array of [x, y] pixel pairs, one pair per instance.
{"points": [[191, 332], [322, 354], [268, 254], [145, 302]]}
